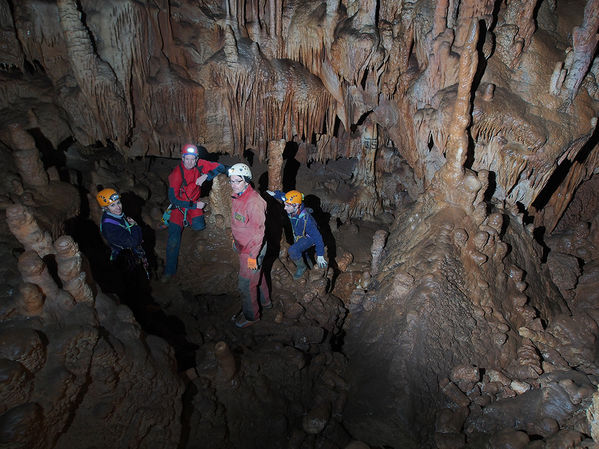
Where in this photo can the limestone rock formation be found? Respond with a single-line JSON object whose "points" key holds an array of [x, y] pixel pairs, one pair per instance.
{"points": [[75, 366], [458, 136]]}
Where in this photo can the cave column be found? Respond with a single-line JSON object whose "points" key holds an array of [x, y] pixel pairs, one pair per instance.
{"points": [[275, 164], [365, 168], [363, 177]]}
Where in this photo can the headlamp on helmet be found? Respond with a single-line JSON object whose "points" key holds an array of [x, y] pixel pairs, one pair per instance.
{"points": [[240, 170], [107, 196], [190, 150]]}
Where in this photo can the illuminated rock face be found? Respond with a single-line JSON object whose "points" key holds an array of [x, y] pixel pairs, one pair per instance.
{"points": [[75, 363], [235, 76], [490, 109]]}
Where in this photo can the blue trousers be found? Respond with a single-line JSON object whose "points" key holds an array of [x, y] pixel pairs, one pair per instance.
{"points": [[297, 249], [173, 243]]}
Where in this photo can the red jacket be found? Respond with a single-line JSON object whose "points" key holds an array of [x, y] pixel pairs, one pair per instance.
{"points": [[185, 197], [248, 215]]}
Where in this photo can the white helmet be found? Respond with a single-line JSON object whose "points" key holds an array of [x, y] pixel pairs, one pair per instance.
{"points": [[240, 170]]}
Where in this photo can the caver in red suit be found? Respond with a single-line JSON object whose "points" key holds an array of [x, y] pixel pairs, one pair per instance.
{"points": [[248, 215], [184, 194]]}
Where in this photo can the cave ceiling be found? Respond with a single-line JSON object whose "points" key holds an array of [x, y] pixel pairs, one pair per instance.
{"points": [[148, 76]]}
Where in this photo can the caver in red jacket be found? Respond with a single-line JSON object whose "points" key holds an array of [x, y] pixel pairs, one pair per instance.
{"points": [[248, 214], [185, 196]]}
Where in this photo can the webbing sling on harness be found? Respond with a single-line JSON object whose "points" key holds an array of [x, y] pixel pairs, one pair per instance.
{"points": [[138, 253], [297, 237], [184, 209], [127, 226]]}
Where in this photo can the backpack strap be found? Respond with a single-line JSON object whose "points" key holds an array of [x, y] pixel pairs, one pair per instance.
{"points": [[114, 222], [183, 210], [184, 182]]}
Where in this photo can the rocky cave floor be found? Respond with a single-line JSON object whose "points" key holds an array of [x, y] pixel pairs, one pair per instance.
{"points": [[286, 387], [283, 382]]}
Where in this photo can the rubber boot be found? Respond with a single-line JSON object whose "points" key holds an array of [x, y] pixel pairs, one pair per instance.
{"points": [[301, 268]]}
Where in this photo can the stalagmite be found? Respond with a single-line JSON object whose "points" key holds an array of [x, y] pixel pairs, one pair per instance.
{"points": [[316, 419], [366, 200], [226, 360], [220, 202], [30, 299], [69, 261], [34, 270], [25, 228], [376, 250], [27, 157]]}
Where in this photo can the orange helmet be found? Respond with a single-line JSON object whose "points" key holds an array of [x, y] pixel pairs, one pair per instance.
{"points": [[294, 197], [106, 197]]}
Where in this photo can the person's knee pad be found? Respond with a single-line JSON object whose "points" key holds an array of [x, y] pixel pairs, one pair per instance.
{"points": [[198, 223]]}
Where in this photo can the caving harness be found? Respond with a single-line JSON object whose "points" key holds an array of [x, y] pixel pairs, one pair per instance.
{"points": [[133, 256], [303, 234], [166, 216]]}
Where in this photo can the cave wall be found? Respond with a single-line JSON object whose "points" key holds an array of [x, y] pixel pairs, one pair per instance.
{"points": [[491, 105], [235, 76]]}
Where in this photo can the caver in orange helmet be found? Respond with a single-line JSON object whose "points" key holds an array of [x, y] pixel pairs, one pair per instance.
{"points": [[107, 196], [294, 197]]}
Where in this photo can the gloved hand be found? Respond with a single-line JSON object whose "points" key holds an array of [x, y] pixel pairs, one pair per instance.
{"points": [[252, 264], [321, 262], [270, 192], [200, 205], [201, 179]]}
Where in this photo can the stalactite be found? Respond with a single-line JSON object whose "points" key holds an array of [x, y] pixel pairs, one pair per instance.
{"points": [[584, 42], [472, 10], [440, 17], [452, 173], [559, 201], [525, 21], [272, 18], [96, 79]]}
